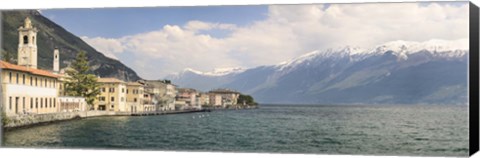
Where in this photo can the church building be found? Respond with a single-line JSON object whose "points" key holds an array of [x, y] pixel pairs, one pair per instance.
{"points": [[25, 88]]}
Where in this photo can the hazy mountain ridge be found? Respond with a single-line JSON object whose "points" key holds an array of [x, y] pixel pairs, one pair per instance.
{"points": [[399, 72], [51, 35]]}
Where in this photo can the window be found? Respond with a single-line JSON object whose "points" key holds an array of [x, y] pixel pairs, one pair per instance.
{"points": [[102, 98], [41, 102], [127, 91], [16, 77], [23, 79], [123, 90], [36, 103], [121, 99], [112, 99], [50, 102], [103, 89], [36, 82], [10, 103], [31, 81], [31, 103], [45, 82], [46, 105], [54, 102], [25, 39], [135, 100], [9, 77]]}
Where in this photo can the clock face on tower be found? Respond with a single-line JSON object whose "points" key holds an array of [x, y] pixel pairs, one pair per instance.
{"points": [[27, 45]]}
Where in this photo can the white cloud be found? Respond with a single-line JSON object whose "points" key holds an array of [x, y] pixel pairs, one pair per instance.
{"points": [[287, 32], [108, 46], [200, 25]]}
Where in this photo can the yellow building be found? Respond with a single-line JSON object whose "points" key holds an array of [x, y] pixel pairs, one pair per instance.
{"points": [[113, 95], [135, 97], [204, 99]]}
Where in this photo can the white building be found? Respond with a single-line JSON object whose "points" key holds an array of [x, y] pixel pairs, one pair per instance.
{"points": [[26, 89], [72, 104]]}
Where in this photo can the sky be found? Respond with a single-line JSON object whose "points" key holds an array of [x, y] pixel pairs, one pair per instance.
{"points": [[159, 41]]}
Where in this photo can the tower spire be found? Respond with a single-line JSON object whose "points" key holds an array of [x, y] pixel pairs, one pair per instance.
{"points": [[27, 45]]}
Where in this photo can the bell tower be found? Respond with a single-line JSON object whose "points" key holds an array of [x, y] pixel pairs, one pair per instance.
{"points": [[27, 45], [56, 60]]}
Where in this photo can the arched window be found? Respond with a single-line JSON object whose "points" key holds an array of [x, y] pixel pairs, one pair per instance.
{"points": [[25, 39]]}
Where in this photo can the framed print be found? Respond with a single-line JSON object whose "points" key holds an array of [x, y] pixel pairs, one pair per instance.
{"points": [[333, 78]]}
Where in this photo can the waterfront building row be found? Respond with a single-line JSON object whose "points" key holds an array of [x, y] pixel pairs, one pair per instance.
{"points": [[188, 98], [29, 90]]}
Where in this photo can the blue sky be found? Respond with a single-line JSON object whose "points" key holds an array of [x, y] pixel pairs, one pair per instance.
{"points": [[118, 22], [159, 41]]}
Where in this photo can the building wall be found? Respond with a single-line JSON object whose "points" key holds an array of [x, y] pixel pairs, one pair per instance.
{"points": [[20, 96], [134, 98], [112, 97], [215, 99], [72, 104], [204, 99]]}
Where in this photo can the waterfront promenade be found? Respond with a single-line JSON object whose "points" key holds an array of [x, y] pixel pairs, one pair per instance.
{"points": [[21, 121]]}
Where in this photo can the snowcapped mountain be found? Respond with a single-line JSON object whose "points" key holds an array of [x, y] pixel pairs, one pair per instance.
{"points": [[216, 72], [397, 72], [204, 80]]}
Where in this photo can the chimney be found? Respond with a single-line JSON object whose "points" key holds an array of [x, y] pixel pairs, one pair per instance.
{"points": [[56, 61]]}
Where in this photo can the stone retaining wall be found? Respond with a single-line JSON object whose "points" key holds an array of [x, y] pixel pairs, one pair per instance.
{"points": [[33, 119], [26, 120]]}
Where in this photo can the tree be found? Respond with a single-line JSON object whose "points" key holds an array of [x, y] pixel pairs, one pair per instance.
{"points": [[6, 56], [80, 82], [247, 99]]}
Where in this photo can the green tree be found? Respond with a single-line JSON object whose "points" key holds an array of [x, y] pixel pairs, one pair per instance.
{"points": [[6, 56], [247, 99], [80, 82]]}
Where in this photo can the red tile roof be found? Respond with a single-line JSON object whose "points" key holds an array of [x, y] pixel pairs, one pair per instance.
{"points": [[10, 66]]}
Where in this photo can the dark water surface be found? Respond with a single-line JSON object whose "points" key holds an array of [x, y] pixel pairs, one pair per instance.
{"points": [[365, 130]]}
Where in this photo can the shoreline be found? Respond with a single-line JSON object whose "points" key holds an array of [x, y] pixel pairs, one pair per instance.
{"points": [[78, 116], [53, 118]]}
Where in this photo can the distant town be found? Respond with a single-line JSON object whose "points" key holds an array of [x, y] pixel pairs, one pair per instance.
{"points": [[31, 95]]}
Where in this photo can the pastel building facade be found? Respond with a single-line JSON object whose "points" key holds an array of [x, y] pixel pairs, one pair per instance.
{"points": [[164, 94], [113, 96], [135, 97], [215, 100], [203, 99], [189, 96], [25, 88], [28, 90], [72, 104], [224, 97]]}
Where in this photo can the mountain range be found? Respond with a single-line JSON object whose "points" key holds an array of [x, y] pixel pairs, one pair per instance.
{"points": [[397, 72], [51, 35]]}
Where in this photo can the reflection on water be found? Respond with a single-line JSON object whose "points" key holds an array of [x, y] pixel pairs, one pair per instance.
{"points": [[390, 130]]}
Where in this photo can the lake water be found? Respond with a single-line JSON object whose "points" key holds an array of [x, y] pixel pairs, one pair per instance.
{"points": [[363, 130]]}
